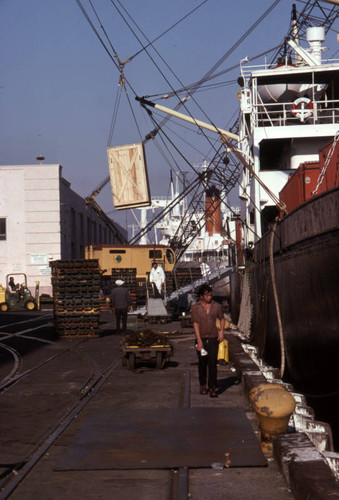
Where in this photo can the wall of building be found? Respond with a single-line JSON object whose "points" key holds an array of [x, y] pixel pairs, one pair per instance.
{"points": [[45, 220]]}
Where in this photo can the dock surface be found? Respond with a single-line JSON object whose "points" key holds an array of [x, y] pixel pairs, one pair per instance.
{"points": [[65, 403]]}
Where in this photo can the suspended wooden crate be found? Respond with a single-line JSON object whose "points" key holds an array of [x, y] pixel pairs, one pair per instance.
{"points": [[128, 174]]}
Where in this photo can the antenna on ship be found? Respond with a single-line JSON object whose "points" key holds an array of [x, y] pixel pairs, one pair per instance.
{"points": [[295, 32]]}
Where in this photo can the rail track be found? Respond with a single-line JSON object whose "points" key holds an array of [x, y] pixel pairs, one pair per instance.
{"points": [[81, 382], [95, 378], [12, 476]]}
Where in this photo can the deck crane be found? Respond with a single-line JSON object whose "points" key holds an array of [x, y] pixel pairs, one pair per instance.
{"points": [[92, 204], [225, 136]]}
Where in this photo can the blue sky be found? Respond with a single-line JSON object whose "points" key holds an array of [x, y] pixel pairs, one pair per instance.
{"points": [[58, 85]]}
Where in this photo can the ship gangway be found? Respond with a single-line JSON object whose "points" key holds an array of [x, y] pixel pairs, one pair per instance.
{"points": [[157, 307]]}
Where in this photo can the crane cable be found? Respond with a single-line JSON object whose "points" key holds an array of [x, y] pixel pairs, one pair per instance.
{"points": [[182, 101], [199, 175], [215, 75], [166, 31], [120, 65], [114, 116], [88, 19]]}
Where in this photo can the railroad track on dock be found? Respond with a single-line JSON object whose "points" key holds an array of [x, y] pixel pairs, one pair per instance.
{"points": [[15, 375], [13, 476], [89, 390], [92, 383]]}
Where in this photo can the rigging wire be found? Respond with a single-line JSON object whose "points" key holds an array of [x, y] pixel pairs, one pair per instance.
{"points": [[212, 69], [191, 166], [88, 19], [182, 227], [114, 116], [166, 210], [166, 31], [216, 75], [154, 62], [238, 42], [132, 111], [197, 85], [183, 140], [220, 61]]}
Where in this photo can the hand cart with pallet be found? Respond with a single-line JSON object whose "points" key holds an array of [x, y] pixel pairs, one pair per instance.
{"points": [[158, 353]]}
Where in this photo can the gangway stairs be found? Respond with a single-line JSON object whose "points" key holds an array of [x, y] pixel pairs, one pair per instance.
{"points": [[210, 278], [157, 307]]}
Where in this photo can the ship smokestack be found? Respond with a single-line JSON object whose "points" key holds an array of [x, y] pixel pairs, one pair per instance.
{"points": [[213, 211]]}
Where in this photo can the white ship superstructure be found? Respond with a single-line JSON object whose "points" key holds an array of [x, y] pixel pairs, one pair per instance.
{"points": [[288, 113]]}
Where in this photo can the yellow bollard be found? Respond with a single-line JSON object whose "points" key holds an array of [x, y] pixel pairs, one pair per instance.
{"points": [[274, 405]]}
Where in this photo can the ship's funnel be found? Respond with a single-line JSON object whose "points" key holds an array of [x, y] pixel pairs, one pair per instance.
{"points": [[213, 211]]}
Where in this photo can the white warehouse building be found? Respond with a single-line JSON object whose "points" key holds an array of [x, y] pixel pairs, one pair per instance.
{"points": [[42, 219]]}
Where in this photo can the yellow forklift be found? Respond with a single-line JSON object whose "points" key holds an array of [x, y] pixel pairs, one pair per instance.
{"points": [[19, 298]]}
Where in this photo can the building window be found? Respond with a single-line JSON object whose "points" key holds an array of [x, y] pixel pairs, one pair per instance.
{"points": [[2, 228]]}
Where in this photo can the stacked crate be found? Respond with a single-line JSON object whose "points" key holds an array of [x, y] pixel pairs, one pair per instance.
{"points": [[76, 286], [187, 275], [129, 276], [169, 282]]}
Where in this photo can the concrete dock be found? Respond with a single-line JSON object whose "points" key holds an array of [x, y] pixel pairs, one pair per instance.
{"points": [[61, 417]]}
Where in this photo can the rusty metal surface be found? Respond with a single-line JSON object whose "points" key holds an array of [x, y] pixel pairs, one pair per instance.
{"points": [[164, 438]]}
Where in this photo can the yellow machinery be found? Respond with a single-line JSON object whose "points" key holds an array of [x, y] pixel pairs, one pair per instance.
{"points": [[132, 264], [124, 257], [21, 298]]}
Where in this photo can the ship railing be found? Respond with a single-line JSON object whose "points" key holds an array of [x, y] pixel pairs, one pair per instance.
{"points": [[247, 70], [281, 114]]}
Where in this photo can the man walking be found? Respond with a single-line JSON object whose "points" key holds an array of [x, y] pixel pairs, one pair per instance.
{"points": [[204, 315], [121, 301]]}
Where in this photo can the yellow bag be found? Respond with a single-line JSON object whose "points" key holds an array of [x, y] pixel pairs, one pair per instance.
{"points": [[223, 352]]}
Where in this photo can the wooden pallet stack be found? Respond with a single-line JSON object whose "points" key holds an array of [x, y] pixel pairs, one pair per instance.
{"points": [[170, 286], [76, 286], [187, 275]]}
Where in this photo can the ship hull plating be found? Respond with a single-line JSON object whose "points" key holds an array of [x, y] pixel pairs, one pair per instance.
{"points": [[306, 248]]}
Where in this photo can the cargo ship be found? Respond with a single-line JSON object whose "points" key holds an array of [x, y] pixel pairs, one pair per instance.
{"points": [[289, 239], [284, 292]]}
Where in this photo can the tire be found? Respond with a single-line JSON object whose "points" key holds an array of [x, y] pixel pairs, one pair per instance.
{"points": [[4, 307], [123, 361], [131, 361], [159, 360], [30, 305]]}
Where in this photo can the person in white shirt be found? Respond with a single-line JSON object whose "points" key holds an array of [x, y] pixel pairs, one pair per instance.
{"points": [[157, 279]]}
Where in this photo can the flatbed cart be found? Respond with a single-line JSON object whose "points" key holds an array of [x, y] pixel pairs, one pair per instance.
{"points": [[158, 353]]}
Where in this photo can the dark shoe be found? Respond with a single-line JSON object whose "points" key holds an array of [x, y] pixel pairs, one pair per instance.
{"points": [[213, 393], [203, 390]]}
